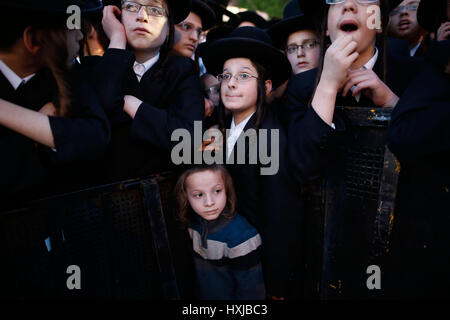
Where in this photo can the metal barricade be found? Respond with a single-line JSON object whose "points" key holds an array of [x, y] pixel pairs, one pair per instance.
{"points": [[357, 206], [116, 234]]}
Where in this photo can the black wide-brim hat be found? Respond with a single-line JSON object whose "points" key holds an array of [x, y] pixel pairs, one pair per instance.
{"points": [[252, 43], [205, 13], [280, 31], [56, 7], [431, 14], [314, 10], [253, 17]]}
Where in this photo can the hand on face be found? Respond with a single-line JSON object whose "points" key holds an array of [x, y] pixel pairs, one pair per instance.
{"points": [[444, 31], [113, 28], [367, 82], [338, 58]]}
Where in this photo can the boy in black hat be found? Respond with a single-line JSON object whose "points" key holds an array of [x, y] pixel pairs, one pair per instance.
{"points": [[248, 67], [297, 36], [191, 31]]}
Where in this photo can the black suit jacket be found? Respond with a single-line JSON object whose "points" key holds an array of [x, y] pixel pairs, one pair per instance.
{"points": [[273, 204], [29, 170], [419, 135], [142, 145]]}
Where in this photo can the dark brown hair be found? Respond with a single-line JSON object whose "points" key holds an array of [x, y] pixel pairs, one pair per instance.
{"points": [[263, 76], [184, 209]]}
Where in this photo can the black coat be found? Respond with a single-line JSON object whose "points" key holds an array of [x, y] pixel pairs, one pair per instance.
{"points": [[419, 135], [142, 145], [29, 170], [273, 204]]}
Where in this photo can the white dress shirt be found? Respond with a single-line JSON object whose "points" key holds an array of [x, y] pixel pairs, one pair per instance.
{"points": [[141, 68], [12, 77], [235, 132], [368, 65]]}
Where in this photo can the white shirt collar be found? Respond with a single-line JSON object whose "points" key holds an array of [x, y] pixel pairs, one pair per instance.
{"points": [[368, 65], [141, 68], [235, 132], [12, 77], [413, 51], [371, 63]]}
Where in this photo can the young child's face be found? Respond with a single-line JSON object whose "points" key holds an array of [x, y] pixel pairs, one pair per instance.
{"points": [[403, 23], [187, 35], [145, 32], [351, 18], [306, 58], [206, 193], [239, 96]]}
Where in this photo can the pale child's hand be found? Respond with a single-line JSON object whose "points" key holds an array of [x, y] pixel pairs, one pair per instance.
{"points": [[367, 82], [113, 28], [338, 59], [444, 31], [131, 105], [48, 109]]}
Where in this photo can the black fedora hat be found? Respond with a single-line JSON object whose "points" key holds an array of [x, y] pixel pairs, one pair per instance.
{"points": [[205, 13], [252, 43], [253, 17], [220, 9], [216, 33], [52, 6], [431, 14], [293, 20]]}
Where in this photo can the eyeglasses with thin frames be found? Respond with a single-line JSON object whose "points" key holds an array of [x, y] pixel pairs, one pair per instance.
{"points": [[134, 7], [342, 1], [409, 7], [188, 28], [309, 45], [239, 77]]}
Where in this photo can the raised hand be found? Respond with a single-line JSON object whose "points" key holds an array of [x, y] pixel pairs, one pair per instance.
{"points": [[444, 31], [338, 58], [113, 28], [367, 82]]}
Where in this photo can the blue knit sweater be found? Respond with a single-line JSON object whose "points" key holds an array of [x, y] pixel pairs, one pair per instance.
{"points": [[227, 259]]}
